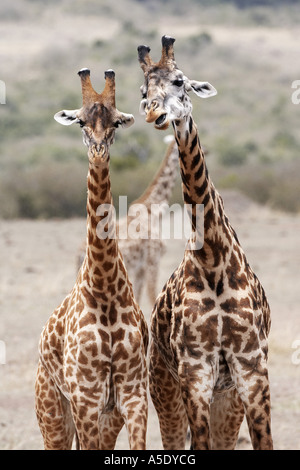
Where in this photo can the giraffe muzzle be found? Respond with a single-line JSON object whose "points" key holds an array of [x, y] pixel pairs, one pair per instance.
{"points": [[160, 119], [98, 153]]}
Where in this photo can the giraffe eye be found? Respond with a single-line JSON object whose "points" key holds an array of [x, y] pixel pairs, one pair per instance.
{"points": [[178, 83]]}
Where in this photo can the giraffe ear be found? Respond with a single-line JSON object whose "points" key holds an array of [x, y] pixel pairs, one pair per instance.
{"points": [[202, 89], [126, 120], [67, 117]]}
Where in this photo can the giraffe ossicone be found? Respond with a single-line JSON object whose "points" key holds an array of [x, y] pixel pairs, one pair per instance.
{"points": [[92, 372]]}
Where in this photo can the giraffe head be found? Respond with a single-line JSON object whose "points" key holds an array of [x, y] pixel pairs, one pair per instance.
{"points": [[165, 90], [98, 117]]}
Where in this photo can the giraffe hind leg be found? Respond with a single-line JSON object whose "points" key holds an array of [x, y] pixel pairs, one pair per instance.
{"points": [[53, 413]]}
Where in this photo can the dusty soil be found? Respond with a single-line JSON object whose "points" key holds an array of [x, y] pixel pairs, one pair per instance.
{"points": [[38, 269]]}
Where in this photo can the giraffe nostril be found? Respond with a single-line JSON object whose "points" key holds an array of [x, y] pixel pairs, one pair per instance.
{"points": [[153, 105]]}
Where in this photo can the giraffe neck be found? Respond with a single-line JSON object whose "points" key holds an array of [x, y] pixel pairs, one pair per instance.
{"points": [[160, 189], [101, 259], [198, 188]]}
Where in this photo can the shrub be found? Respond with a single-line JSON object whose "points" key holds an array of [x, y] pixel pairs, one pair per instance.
{"points": [[232, 154]]}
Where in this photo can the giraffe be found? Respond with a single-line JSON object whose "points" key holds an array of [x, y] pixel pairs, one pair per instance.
{"points": [[209, 325], [142, 256], [92, 374]]}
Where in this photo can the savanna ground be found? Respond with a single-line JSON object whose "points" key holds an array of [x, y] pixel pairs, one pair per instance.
{"points": [[38, 267]]}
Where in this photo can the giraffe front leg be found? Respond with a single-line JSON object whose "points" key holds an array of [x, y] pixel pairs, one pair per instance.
{"points": [[86, 419], [196, 382], [134, 410], [88, 398], [53, 413], [166, 397], [226, 416], [136, 423], [251, 379], [132, 403], [110, 425]]}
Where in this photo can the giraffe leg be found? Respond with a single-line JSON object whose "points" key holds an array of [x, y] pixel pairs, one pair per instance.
{"points": [[197, 384], [53, 413], [132, 403], [86, 415], [110, 425], [88, 397], [134, 410], [166, 397], [226, 416], [251, 379]]}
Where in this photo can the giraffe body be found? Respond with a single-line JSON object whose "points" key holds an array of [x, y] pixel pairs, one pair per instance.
{"points": [[92, 375], [209, 326]]}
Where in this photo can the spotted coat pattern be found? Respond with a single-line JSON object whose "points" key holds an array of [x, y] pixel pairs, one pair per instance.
{"points": [[142, 255], [92, 374], [209, 326]]}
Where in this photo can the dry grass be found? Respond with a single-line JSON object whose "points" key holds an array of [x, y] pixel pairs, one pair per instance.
{"points": [[38, 269]]}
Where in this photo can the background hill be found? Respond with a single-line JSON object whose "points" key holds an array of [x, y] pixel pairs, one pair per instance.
{"points": [[247, 49]]}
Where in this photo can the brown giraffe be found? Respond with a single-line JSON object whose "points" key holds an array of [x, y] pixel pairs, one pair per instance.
{"points": [[142, 256], [92, 374], [209, 326]]}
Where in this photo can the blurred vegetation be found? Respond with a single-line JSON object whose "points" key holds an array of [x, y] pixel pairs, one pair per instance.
{"points": [[250, 128]]}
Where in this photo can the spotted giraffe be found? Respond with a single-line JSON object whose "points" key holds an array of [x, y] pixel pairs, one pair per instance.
{"points": [[92, 375], [142, 255], [209, 326]]}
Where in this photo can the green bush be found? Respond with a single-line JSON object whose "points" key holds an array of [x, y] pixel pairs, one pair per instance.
{"points": [[44, 191], [232, 154]]}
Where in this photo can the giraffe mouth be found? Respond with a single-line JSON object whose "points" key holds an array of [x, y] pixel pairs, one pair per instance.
{"points": [[98, 154], [161, 122]]}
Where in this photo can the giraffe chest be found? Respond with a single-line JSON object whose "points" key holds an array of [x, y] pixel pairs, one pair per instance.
{"points": [[84, 341], [202, 312]]}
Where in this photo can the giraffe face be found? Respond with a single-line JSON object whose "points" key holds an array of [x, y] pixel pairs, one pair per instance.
{"points": [[98, 117], [98, 124], [165, 90], [164, 96]]}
